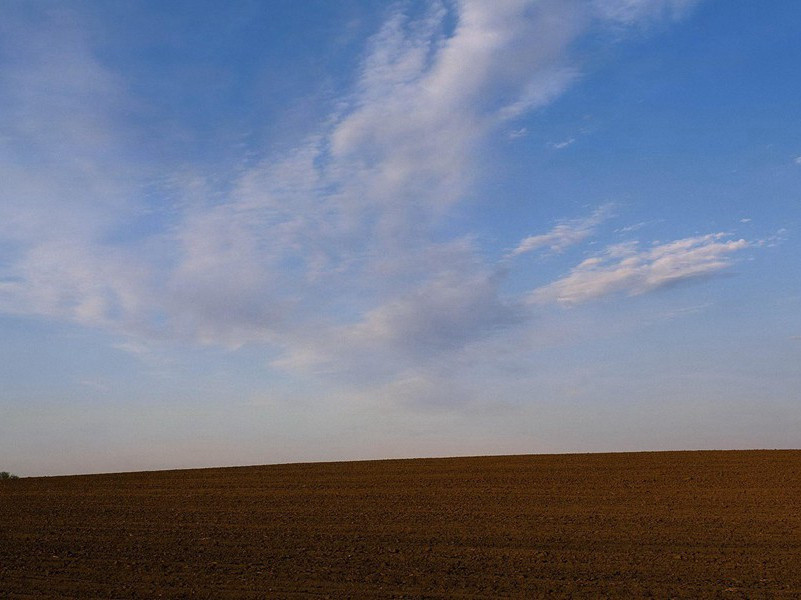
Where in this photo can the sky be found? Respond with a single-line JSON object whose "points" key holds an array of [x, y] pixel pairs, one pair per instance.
{"points": [[258, 232]]}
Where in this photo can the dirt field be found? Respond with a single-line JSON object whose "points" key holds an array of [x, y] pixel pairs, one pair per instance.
{"points": [[664, 525]]}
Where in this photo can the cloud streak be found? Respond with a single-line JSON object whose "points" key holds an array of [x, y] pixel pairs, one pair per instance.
{"points": [[564, 234], [627, 269], [563, 144], [631, 12]]}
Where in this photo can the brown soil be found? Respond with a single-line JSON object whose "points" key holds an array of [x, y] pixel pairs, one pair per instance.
{"points": [[664, 525]]}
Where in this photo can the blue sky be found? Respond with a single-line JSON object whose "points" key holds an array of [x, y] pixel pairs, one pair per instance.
{"points": [[257, 232]]}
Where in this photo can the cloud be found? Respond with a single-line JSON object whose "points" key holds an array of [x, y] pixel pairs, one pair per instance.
{"points": [[61, 168], [350, 213], [564, 144], [345, 222], [330, 252], [625, 268], [443, 315], [630, 12], [634, 227], [774, 240], [564, 234], [687, 310], [68, 178], [798, 160]]}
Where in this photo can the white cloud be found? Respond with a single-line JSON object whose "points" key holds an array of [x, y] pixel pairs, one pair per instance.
{"points": [[774, 240], [346, 219], [564, 234], [60, 164], [687, 310], [634, 227], [798, 160], [628, 12], [327, 252], [540, 91], [631, 270], [563, 144]]}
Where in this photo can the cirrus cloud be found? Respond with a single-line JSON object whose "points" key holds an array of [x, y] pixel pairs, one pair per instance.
{"points": [[565, 233], [329, 252], [626, 268]]}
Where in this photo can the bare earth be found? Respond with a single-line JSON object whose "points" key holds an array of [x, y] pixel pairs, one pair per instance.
{"points": [[663, 525]]}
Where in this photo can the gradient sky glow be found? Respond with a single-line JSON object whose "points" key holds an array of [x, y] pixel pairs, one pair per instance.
{"points": [[256, 232]]}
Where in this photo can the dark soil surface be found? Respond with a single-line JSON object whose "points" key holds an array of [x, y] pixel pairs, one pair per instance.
{"points": [[662, 525]]}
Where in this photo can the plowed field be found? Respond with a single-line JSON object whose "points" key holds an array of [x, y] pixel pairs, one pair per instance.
{"points": [[664, 525]]}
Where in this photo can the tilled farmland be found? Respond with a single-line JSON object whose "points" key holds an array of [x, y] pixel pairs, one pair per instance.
{"points": [[633, 525]]}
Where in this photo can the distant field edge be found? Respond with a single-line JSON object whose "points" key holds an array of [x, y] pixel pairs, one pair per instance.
{"points": [[323, 463]]}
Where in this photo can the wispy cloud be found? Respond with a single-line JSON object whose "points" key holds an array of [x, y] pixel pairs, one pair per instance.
{"points": [[349, 215], [328, 252], [775, 239], [634, 227], [443, 315], [563, 144], [341, 225], [565, 234], [626, 268], [630, 12], [687, 310]]}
